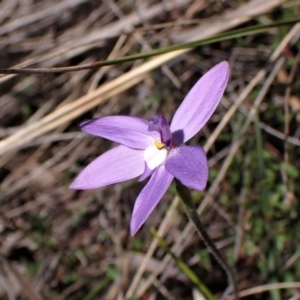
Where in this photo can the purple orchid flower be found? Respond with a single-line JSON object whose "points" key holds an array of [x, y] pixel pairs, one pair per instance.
{"points": [[153, 148]]}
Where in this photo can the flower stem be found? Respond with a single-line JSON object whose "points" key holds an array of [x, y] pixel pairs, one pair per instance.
{"points": [[193, 215], [185, 268]]}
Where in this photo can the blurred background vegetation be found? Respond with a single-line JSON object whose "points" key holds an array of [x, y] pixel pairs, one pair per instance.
{"points": [[56, 243]]}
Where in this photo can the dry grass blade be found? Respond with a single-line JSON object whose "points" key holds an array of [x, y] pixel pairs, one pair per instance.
{"points": [[26, 286], [229, 20], [39, 15], [269, 287], [7, 286], [79, 44], [6, 7]]}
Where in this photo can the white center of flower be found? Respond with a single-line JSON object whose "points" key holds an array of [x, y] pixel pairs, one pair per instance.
{"points": [[154, 156]]}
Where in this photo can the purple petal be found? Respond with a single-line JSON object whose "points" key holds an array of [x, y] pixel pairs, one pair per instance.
{"points": [[147, 172], [128, 131], [160, 124], [200, 102], [149, 197], [189, 165], [116, 165]]}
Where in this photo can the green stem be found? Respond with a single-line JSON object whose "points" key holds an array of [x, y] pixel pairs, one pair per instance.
{"points": [[192, 214], [189, 45], [185, 268]]}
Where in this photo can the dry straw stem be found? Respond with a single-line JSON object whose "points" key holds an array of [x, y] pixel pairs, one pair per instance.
{"points": [[69, 48], [268, 287], [7, 285], [188, 231], [26, 286], [39, 15]]}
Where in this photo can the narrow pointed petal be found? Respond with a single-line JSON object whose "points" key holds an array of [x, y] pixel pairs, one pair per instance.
{"points": [[116, 165], [201, 102], [128, 131], [189, 165], [147, 173], [149, 197]]}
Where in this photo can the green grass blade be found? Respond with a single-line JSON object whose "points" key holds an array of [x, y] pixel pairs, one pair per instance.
{"points": [[185, 268]]}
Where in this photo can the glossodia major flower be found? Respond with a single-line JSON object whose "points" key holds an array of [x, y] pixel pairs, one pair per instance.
{"points": [[153, 148]]}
